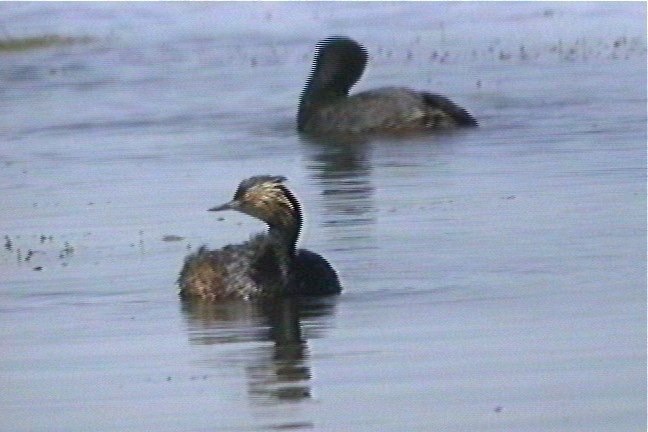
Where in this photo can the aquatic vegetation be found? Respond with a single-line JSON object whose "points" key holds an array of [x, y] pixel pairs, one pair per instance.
{"points": [[10, 44]]}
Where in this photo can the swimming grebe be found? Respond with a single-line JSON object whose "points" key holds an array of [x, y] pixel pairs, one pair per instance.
{"points": [[325, 106], [266, 265]]}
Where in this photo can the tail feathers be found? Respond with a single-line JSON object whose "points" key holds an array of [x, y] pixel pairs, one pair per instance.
{"points": [[458, 114]]}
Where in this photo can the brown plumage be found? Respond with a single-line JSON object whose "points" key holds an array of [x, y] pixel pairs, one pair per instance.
{"points": [[325, 106], [269, 264]]}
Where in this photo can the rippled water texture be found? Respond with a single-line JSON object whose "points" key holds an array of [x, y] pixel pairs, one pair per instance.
{"points": [[495, 279]]}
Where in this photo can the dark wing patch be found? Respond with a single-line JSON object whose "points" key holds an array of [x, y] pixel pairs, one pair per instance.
{"points": [[313, 275], [459, 115]]}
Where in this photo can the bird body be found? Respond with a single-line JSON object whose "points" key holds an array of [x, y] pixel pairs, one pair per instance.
{"points": [[326, 107], [266, 265]]}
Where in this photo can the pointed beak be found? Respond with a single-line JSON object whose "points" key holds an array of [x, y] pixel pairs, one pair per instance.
{"points": [[232, 205]]}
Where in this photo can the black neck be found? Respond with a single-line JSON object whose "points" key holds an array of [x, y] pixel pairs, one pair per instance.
{"points": [[287, 222], [338, 65]]}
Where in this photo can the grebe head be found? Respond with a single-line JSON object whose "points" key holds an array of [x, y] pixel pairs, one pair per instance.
{"points": [[267, 198], [339, 64]]}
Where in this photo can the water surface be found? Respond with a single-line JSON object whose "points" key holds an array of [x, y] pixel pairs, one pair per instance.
{"points": [[494, 278]]}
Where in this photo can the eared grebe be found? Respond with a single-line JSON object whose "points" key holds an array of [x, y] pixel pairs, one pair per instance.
{"points": [[325, 106], [266, 265]]}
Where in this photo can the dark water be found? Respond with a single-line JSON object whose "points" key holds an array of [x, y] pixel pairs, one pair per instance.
{"points": [[495, 279]]}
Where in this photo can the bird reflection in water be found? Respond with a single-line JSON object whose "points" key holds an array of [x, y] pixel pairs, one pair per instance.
{"points": [[277, 373], [342, 167]]}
